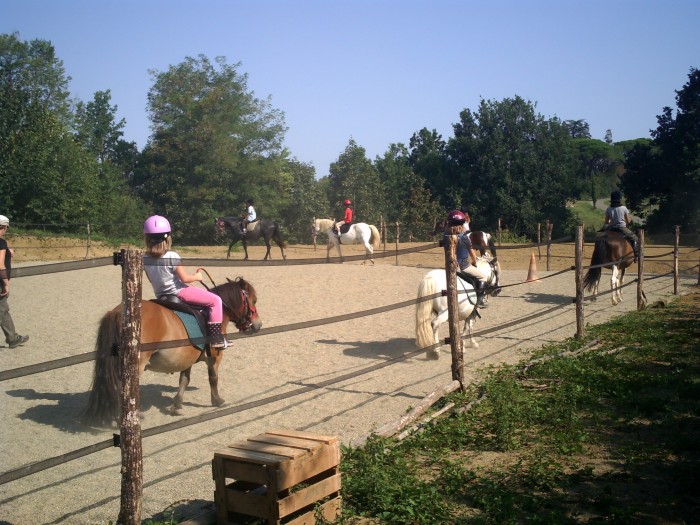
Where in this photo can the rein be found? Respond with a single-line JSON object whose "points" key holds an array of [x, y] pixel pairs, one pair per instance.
{"points": [[245, 321]]}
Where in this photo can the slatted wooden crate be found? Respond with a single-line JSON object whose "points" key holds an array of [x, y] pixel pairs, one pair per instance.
{"points": [[280, 476]]}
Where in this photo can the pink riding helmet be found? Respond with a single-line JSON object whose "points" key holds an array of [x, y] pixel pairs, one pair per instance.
{"points": [[156, 225]]}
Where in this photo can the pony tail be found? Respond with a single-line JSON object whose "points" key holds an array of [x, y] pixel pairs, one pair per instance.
{"points": [[103, 406], [375, 239], [425, 335], [600, 252]]}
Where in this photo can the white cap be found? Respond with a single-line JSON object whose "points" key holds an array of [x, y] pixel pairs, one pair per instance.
{"points": [[4, 221]]}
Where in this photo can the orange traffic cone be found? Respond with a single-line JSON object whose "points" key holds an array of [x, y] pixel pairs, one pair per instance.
{"points": [[532, 271]]}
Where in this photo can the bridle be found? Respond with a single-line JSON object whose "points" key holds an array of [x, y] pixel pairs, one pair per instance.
{"points": [[247, 310], [248, 313]]}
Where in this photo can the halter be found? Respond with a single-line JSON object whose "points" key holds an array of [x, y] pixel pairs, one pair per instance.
{"points": [[245, 321], [248, 311]]}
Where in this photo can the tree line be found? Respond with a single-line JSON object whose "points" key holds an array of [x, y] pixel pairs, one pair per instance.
{"points": [[214, 144]]}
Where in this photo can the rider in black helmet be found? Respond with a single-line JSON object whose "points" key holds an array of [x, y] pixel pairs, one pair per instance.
{"points": [[617, 218]]}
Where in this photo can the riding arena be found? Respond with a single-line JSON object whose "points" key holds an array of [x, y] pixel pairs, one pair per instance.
{"points": [[336, 355]]}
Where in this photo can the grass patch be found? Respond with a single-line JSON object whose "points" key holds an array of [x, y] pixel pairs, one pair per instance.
{"points": [[591, 217], [611, 435]]}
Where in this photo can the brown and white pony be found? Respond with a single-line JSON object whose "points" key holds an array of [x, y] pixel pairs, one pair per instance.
{"points": [[165, 348], [610, 247]]}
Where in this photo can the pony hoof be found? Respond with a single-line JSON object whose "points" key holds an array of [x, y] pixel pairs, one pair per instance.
{"points": [[219, 403], [432, 354], [173, 411]]}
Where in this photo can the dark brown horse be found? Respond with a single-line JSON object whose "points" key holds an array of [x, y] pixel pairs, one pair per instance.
{"points": [[165, 349], [265, 228], [610, 247], [481, 240]]}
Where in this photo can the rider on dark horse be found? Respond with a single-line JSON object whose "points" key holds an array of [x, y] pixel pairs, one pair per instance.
{"points": [[250, 216], [617, 218], [347, 218]]}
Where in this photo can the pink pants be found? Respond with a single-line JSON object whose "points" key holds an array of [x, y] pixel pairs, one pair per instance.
{"points": [[201, 297]]}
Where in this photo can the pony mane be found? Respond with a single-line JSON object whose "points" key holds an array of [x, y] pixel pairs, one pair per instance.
{"points": [[324, 224], [230, 292]]}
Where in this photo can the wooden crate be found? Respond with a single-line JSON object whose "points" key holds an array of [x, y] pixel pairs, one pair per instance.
{"points": [[280, 476]]}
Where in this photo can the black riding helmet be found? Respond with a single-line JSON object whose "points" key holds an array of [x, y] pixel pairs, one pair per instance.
{"points": [[615, 198]]}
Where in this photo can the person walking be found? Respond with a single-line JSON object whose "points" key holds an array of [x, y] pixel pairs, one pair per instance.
{"points": [[12, 338]]}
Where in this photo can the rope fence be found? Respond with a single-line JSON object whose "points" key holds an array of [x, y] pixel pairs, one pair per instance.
{"points": [[27, 271]]}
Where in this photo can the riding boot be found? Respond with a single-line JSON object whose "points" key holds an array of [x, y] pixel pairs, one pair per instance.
{"points": [[481, 294], [216, 337]]}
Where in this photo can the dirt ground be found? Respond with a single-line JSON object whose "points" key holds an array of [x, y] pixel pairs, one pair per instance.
{"points": [[60, 312]]}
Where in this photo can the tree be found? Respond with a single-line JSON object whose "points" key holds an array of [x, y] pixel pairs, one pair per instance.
{"points": [[406, 197], [596, 168], [214, 144], [665, 175], [428, 160], [305, 200], [578, 129], [97, 128], [354, 177], [510, 162]]}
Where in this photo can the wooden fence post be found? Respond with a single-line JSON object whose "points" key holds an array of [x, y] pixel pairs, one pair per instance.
{"points": [[641, 300], [539, 241], [313, 233], [87, 250], [456, 344], [130, 419], [550, 227], [580, 318], [499, 231], [398, 230], [675, 259]]}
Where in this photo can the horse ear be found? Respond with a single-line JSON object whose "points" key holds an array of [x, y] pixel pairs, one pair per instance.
{"points": [[229, 280]]}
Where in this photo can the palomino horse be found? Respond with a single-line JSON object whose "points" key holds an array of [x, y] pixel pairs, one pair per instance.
{"points": [[610, 247], [430, 314], [176, 353], [358, 233], [265, 228]]}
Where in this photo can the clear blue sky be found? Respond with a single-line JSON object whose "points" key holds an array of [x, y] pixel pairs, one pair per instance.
{"points": [[377, 71]]}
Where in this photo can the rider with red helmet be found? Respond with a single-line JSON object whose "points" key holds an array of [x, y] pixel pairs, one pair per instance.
{"points": [[347, 219], [466, 256], [164, 269]]}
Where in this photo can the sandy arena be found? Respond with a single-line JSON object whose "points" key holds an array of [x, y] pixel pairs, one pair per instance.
{"points": [[60, 313]]}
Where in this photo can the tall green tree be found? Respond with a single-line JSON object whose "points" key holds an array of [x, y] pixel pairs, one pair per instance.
{"points": [[428, 158], [664, 176], [406, 196], [354, 177], [213, 145], [305, 200], [512, 163], [45, 176], [97, 128]]}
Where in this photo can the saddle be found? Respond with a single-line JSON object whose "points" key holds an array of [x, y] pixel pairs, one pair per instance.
{"points": [[194, 318], [344, 228], [616, 231]]}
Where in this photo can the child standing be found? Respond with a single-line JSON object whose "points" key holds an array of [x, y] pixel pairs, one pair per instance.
{"points": [[12, 338], [164, 269]]}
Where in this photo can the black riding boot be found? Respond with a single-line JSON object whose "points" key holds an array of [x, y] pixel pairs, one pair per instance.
{"points": [[481, 294], [216, 337]]}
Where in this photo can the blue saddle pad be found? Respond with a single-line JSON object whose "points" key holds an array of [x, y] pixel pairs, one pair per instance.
{"points": [[194, 331]]}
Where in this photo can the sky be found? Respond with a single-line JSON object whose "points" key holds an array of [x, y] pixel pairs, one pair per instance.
{"points": [[378, 71]]}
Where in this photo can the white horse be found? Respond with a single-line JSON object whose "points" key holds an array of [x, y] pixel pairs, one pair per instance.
{"points": [[430, 314], [359, 233]]}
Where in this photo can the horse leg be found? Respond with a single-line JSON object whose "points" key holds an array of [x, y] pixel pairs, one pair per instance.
{"points": [[245, 249], [267, 244], [369, 251], [228, 254], [176, 407], [212, 369], [613, 285], [469, 325]]}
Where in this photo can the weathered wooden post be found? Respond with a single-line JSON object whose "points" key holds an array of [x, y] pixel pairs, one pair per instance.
{"points": [[550, 227], [675, 259], [499, 231], [383, 226], [580, 317], [313, 233], [129, 438], [456, 345], [539, 241], [398, 231], [87, 250], [641, 300]]}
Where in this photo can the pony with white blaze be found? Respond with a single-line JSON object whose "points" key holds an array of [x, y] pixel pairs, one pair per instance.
{"points": [[430, 314], [358, 233]]}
